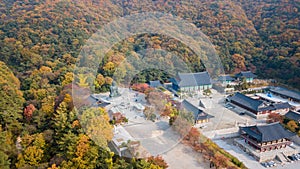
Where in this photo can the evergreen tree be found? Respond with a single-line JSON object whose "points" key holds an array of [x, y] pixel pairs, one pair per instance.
{"points": [[4, 147], [11, 100]]}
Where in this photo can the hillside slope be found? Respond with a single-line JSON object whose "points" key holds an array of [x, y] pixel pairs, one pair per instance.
{"points": [[40, 41], [254, 35], [278, 26]]}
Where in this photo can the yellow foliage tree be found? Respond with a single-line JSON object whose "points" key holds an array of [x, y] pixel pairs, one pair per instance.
{"points": [[97, 126], [82, 80], [100, 80], [109, 68], [68, 78], [292, 125], [108, 80]]}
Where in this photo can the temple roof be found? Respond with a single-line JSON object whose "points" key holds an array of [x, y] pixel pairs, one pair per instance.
{"points": [[155, 84], [269, 132], [257, 105], [248, 102], [286, 92], [193, 79], [246, 74], [293, 115], [226, 78], [284, 105], [198, 113]]}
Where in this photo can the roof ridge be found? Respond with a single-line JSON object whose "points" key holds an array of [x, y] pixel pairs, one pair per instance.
{"points": [[269, 124], [294, 112], [193, 72]]}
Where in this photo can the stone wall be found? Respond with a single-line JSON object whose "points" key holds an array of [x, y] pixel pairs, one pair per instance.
{"points": [[223, 133]]}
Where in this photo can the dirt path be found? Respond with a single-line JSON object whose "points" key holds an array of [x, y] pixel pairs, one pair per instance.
{"points": [[184, 157]]}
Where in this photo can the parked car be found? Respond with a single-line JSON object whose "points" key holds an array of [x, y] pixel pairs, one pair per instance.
{"points": [[265, 164], [292, 158], [297, 156], [242, 113], [272, 163], [229, 106]]}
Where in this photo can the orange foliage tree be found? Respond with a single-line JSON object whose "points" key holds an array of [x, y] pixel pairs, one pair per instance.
{"points": [[28, 111], [274, 117], [158, 160]]}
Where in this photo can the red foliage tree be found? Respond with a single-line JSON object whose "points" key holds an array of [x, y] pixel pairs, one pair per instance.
{"points": [[141, 87], [158, 160], [193, 136], [220, 161], [275, 117], [28, 111]]}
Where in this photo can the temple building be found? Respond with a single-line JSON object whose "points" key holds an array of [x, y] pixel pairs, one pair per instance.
{"points": [[191, 81], [198, 115], [266, 137], [285, 93], [248, 75], [292, 115], [258, 107], [155, 84], [227, 80]]}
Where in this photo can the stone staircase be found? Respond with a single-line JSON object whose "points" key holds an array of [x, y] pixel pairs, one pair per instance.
{"points": [[282, 157]]}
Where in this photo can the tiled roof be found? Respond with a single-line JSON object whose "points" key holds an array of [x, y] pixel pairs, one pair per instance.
{"points": [[248, 102], [193, 79], [155, 83], [226, 78], [198, 113], [269, 132], [293, 115], [246, 74], [285, 105], [203, 115], [286, 92], [257, 105]]}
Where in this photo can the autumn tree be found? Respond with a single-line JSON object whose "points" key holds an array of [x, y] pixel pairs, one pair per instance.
{"points": [[40, 43], [292, 125], [220, 160], [149, 113], [140, 87], [82, 80], [182, 125], [239, 61], [158, 160], [53, 166], [95, 121], [109, 69], [158, 100], [84, 156], [33, 152], [193, 136], [169, 110], [108, 80], [144, 164], [99, 81], [275, 117], [28, 111], [68, 78]]}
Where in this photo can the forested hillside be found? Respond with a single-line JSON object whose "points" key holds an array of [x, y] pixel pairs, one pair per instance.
{"points": [[278, 26], [40, 41], [262, 36]]}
